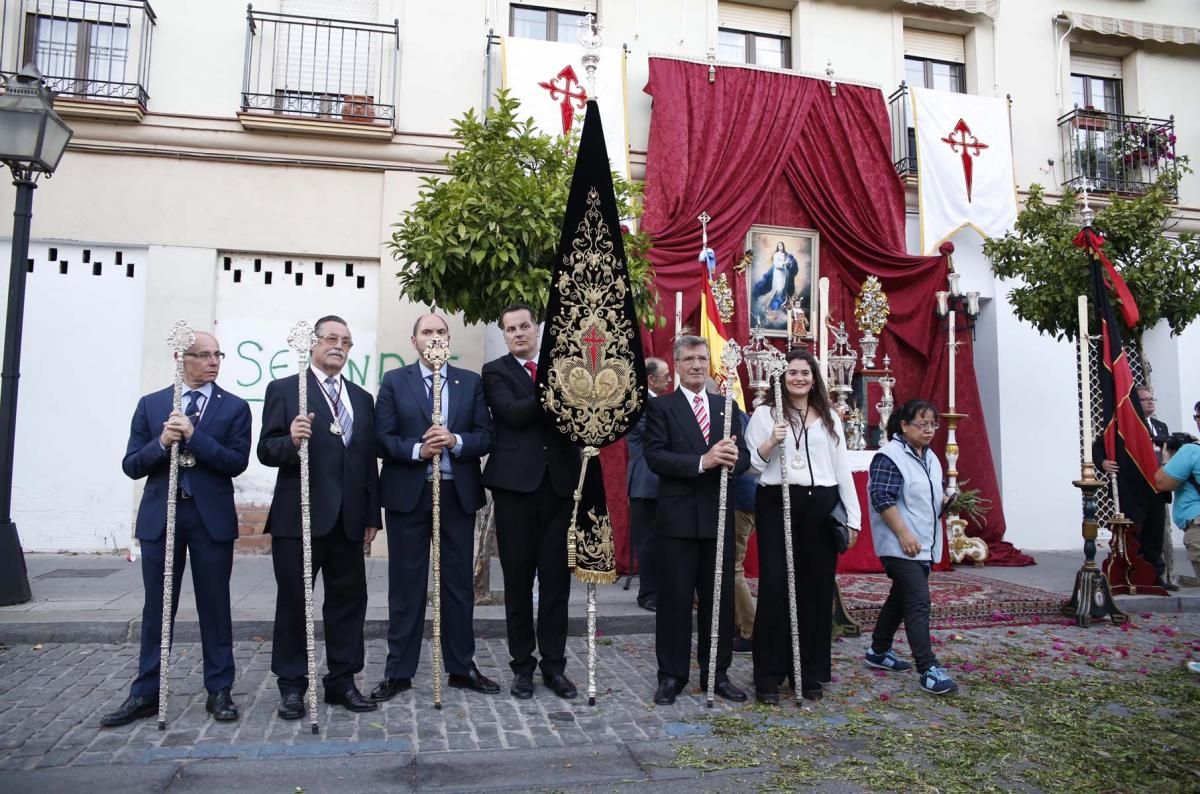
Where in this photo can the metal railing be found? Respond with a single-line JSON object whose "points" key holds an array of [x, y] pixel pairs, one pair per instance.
{"points": [[334, 69], [86, 49], [1115, 152], [904, 137]]}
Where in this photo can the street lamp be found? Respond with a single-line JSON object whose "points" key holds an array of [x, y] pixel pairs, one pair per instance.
{"points": [[32, 141]]}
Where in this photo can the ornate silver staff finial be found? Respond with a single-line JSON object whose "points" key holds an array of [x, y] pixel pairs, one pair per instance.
{"points": [[181, 336], [731, 356], [437, 352], [301, 338], [590, 39], [704, 219], [1086, 186]]}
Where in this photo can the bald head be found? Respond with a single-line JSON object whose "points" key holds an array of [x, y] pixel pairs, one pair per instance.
{"points": [[202, 361], [658, 375], [427, 327]]}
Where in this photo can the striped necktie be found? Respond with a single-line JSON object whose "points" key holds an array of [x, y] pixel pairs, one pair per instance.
{"points": [[701, 411], [339, 407]]}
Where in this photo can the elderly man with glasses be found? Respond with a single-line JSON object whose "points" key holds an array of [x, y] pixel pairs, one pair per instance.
{"points": [[213, 430]]}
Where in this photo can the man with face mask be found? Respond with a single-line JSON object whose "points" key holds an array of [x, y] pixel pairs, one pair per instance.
{"points": [[214, 432]]}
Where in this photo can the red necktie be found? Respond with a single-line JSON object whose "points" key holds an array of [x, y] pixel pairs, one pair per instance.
{"points": [[701, 411], [532, 367]]}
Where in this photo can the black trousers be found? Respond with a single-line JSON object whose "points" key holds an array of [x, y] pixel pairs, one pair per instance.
{"points": [[814, 560], [641, 526], [685, 571], [907, 601], [409, 536], [339, 561], [1150, 534], [212, 563], [531, 536]]}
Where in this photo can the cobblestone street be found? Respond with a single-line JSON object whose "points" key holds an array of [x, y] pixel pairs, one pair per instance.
{"points": [[53, 696]]}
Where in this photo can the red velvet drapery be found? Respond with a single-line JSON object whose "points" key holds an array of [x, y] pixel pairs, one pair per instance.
{"points": [[764, 147]]}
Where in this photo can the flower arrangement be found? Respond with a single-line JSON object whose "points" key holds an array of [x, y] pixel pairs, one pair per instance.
{"points": [[1142, 143], [871, 307]]}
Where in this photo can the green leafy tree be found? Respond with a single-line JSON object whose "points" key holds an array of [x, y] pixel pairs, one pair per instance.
{"points": [[487, 233], [1162, 272]]}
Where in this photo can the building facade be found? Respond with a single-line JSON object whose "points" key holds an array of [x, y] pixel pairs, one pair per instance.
{"points": [[242, 168]]}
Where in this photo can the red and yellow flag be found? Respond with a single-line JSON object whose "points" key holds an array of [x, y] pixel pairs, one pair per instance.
{"points": [[713, 331]]}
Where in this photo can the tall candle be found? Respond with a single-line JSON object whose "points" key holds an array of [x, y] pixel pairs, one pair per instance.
{"points": [[1085, 379], [952, 346], [678, 326], [823, 326]]}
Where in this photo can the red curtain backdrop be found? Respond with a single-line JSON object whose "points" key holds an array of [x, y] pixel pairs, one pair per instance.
{"points": [[759, 147]]}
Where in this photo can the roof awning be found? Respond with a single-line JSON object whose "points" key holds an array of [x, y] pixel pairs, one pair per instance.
{"points": [[1132, 28], [987, 7]]}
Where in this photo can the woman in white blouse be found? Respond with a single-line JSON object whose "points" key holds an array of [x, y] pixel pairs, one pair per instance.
{"points": [[818, 476]]}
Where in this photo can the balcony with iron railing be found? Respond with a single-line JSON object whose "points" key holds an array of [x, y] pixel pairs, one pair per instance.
{"points": [[93, 54], [904, 137], [1115, 153], [331, 76]]}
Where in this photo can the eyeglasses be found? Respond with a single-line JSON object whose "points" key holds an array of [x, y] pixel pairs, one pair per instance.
{"points": [[693, 360], [333, 340], [924, 426], [206, 356]]}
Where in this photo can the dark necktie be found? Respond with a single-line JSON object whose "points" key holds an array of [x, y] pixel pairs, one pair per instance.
{"points": [[429, 392], [192, 412], [339, 406]]}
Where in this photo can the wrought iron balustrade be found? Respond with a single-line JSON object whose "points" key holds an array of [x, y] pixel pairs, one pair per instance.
{"points": [[1115, 152], [332, 69], [904, 137], [85, 49]]}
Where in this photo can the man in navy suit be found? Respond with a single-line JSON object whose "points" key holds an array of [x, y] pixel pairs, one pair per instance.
{"points": [[407, 441], [344, 505], [643, 491], [214, 431], [532, 474], [685, 449]]}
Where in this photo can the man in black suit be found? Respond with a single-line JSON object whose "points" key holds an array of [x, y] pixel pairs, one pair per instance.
{"points": [[643, 491], [214, 430], [1141, 504], [532, 474], [344, 506], [684, 448], [407, 440]]}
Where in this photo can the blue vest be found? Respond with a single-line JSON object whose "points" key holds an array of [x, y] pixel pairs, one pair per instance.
{"points": [[920, 504]]}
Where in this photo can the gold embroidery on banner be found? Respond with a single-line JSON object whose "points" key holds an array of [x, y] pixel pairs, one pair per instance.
{"points": [[592, 390], [596, 560]]}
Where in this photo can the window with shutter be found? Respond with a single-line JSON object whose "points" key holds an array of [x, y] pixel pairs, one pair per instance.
{"points": [[752, 34]]}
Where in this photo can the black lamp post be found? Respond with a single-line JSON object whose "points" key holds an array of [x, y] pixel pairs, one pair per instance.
{"points": [[32, 141]]}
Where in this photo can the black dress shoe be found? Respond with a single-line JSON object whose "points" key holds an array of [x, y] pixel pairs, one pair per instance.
{"points": [[221, 706], [1167, 584], [560, 685], [390, 687], [812, 693], [726, 689], [767, 697], [350, 699], [291, 706], [135, 707], [522, 686], [475, 681], [650, 603], [668, 689]]}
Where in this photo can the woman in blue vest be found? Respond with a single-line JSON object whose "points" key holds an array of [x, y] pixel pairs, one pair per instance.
{"points": [[818, 477], [905, 489]]}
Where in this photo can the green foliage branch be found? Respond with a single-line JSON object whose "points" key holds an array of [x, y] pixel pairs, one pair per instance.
{"points": [[1049, 272], [486, 234]]}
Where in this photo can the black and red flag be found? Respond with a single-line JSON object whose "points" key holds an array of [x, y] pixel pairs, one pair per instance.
{"points": [[1125, 436]]}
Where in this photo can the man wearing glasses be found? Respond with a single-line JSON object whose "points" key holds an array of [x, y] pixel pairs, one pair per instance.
{"points": [[213, 431], [344, 502]]}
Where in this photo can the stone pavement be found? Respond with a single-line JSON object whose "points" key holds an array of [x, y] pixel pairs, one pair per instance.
{"points": [[51, 697]]}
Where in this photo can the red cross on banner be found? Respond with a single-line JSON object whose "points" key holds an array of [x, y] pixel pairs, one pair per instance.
{"points": [[964, 132], [571, 93]]}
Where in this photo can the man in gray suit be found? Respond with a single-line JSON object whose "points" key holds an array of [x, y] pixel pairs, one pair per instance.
{"points": [[643, 491]]}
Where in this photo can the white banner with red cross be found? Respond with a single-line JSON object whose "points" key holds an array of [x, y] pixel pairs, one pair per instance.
{"points": [[551, 83], [964, 165]]}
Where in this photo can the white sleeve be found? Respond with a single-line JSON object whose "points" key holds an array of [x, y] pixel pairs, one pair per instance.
{"points": [[759, 430], [845, 478]]}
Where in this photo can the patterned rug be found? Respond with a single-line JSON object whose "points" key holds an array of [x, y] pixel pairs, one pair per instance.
{"points": [[960, 600]]}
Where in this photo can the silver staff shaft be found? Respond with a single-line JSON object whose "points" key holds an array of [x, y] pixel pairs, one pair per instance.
{"points": [[719, 566], [310, 635], [180, 338], [591, 628], [435, 490], [787, 540]]}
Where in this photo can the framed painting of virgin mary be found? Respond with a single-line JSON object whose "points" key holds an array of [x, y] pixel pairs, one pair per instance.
{"points": [[781, 276]]}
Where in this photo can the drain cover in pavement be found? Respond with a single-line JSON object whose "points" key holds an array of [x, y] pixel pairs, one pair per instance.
{"points": [[78, 573]]}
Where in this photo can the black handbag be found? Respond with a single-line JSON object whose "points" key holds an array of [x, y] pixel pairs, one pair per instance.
{"points": [[838, 528]]}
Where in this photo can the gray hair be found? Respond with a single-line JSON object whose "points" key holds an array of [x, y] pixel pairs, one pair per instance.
{"points": [[688, 341], [655, 366]]}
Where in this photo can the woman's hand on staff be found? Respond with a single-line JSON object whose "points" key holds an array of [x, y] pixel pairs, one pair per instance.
{"points": [[723, 453], [301, 428]]}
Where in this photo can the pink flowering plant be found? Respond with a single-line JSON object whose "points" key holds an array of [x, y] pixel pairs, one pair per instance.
{"points": [[1144, 143]]}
